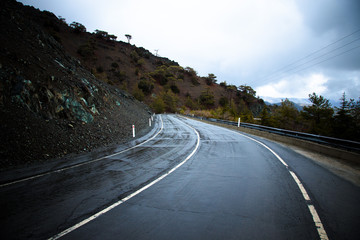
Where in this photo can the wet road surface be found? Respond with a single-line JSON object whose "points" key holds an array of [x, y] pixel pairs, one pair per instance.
{"points": [[232, 187]]}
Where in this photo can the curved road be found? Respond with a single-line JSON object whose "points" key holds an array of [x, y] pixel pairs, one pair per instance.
{"points": [[189, 180]]}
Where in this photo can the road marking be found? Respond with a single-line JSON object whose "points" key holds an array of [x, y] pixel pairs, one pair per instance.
{"points": [[84, 163], [318, 224], [274, 153], [85, 221], [302, 189]]}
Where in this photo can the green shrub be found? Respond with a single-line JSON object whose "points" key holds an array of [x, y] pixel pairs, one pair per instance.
{"points": [[138, 94], [120, 75], [114, 65], [100, 69], [175, 89], [158, 105], [146, 86], [207, 99], [86, 50]]}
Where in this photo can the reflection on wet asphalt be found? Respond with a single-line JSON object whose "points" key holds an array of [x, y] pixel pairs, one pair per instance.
{"points": [[232, 188]]}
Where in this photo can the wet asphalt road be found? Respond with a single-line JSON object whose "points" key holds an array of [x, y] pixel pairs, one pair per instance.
{"points": [[231, 188]]}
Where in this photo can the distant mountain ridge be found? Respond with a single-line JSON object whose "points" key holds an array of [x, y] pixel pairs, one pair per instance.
{"points": [[301, 102]]}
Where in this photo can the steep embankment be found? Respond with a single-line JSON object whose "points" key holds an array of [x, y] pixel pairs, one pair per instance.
{"points": [[50, 105], [158, 81]]}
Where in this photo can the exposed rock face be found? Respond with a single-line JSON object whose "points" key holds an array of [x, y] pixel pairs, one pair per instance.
{"points": [[50, 105]]}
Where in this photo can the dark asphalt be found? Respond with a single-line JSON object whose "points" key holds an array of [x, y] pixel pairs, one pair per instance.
{"points": [[232, 188]]}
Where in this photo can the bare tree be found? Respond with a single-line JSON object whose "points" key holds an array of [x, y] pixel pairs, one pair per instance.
{"points": [[128, 36]]}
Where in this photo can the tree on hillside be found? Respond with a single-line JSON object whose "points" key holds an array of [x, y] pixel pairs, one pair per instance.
{"points": [[223, 84], [247, 116], [170, 100], [158, 105], [112, 37], [231, 90], [286, 115], [101, 34], [247, 90], [319, 114], [266, 118], [129, 37], [343, 122], [355, 110], [207, 99], [355, 114], [78, 27], [210, 79], [223, 101]]}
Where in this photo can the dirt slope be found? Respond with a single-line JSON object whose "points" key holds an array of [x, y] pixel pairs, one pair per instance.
{"points": [[50, 104]]}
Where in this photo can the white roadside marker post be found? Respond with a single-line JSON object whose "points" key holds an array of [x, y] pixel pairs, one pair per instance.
{"points": [[133, 130], [149, 122], [239, 122]]}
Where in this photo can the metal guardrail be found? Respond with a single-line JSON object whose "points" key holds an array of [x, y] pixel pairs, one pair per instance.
{"points": [[329, 141]]}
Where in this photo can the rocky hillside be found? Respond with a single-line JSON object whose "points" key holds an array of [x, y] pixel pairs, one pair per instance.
{"points": [[50, 104], [159, 82], [64, 90]]}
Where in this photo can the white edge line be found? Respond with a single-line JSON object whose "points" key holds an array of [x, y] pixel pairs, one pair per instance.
{"points": [[274, 153], [84, 163], [89, 219], [318, 224]]}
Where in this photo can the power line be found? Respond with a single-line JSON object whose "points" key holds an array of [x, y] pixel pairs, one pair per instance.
{"points": [[294, 65], [328, 59], [323, 55]]}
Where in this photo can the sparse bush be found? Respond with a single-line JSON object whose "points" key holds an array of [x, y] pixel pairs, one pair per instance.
{"points": [[86, 50], [160, 76], [190, 103], [140, 62], [223, 101], [194, 81], [142, 52], [120, 75], [138, 94], [134, 56], [207, 99], [158, 105], [146, 86], [170, 100], [175, 89], [190, 72], [114, 65], [100, 69], [137, 71]]}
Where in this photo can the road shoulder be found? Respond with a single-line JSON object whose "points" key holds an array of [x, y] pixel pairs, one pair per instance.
{"points": [[348, 170]]}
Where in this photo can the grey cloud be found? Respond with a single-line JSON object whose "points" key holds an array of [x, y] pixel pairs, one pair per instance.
{"points": [[331, 15]]}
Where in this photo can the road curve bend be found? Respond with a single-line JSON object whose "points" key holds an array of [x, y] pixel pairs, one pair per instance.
{"points": [[192, 181]]}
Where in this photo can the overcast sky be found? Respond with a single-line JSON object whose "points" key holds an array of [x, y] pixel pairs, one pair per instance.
{"points": [[281, 48]]}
